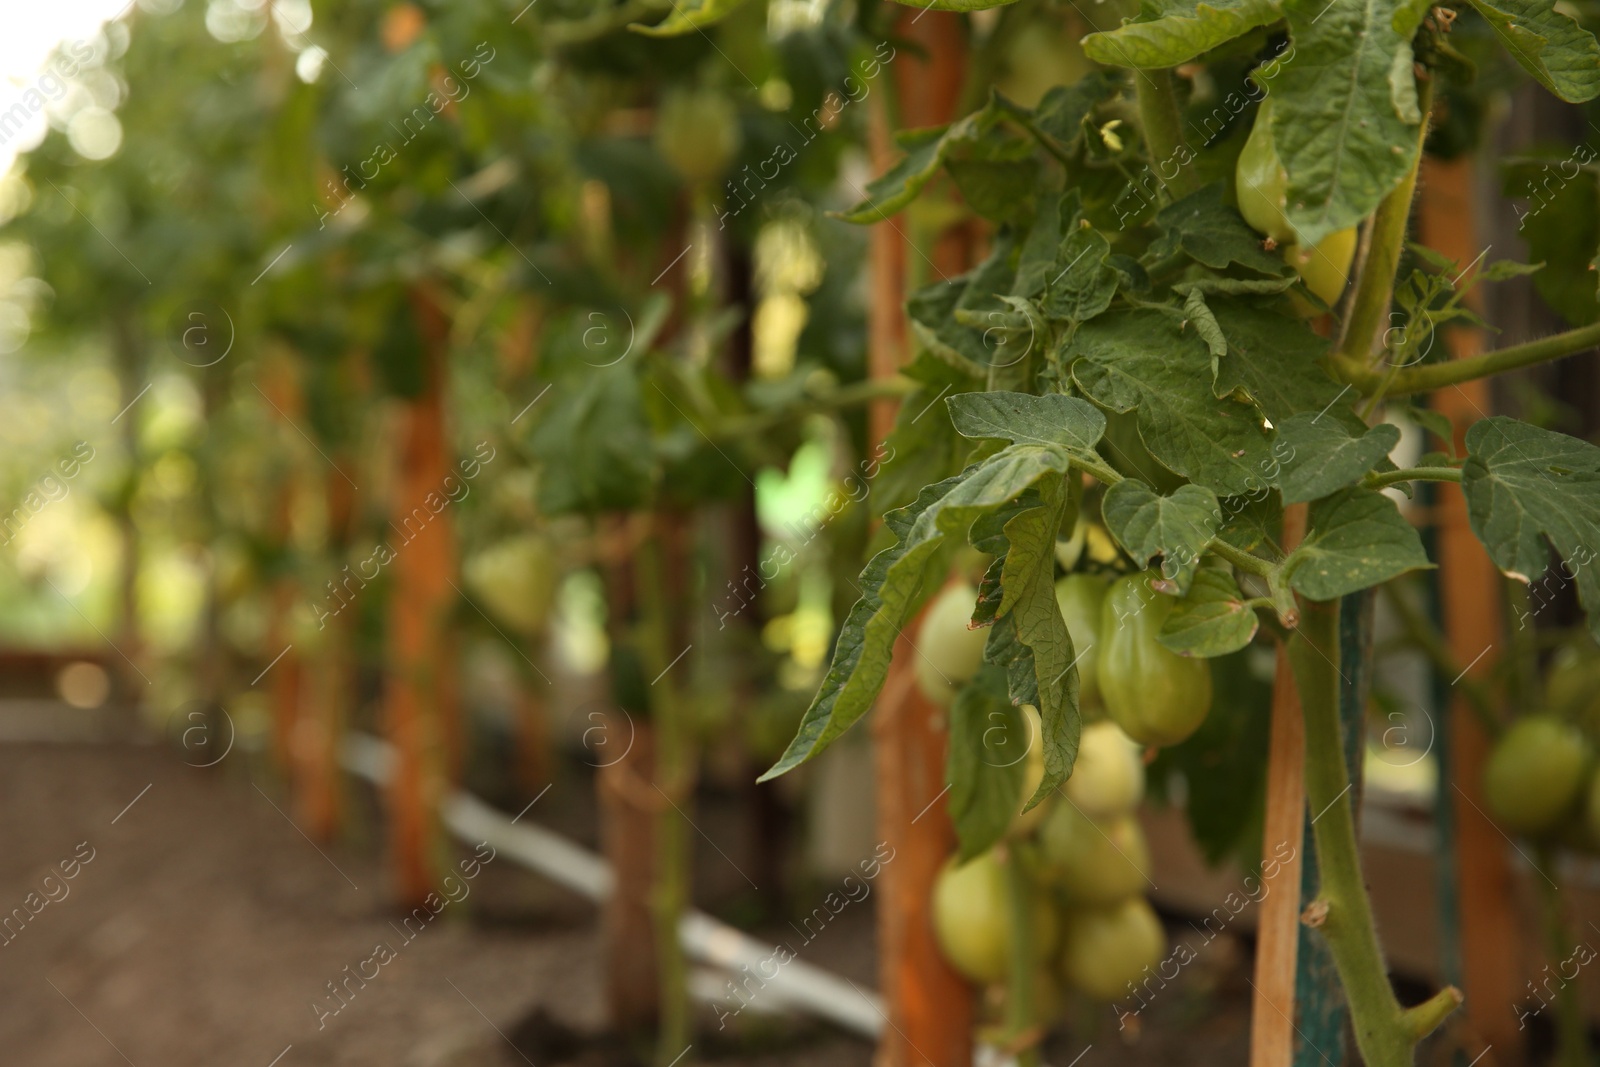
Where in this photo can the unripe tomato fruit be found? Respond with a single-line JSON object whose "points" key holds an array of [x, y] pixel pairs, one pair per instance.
{"points": [[1157, 696], [948, 653], [1108, 778], [1103, 949], [516, 578], [971, 919], [697, 131], [1535, 773], [1262, 183], [1032, 774], [1326, 268], [1094, 862], [1080, 597]]}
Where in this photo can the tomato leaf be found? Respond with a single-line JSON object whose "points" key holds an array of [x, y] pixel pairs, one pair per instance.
{"points": [[985, 761], [1355, 539], [1321, 456], [1175, 31], [957, 5], [1083, 283], [688, 16], [1211, 619], [594, 447], [1144, 360], [1176, 527], [1272, 361], [1054, 420], [1212, 231], [1345, 121], [1523, 485], [926, 151], [1559, 53]]}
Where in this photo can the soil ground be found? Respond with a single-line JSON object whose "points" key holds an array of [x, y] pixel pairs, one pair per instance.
{"points": [[205, 926]]}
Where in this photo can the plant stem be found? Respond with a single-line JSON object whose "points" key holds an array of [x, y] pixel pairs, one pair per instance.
{"points": [[1385, 1033], [1375, 283], [1413, 474], [846, 396], [1020, 1014], [673, 772], [1426, 377], [1163, 127]]}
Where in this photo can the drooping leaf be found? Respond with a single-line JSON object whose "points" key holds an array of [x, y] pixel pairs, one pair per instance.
{"points": [[1144, 361], [1321, 456], [1355, 539], [985, 761], [1048, 432], [1213, 232], [1176, 527], [688, 16], [1169, 32], [1524, 485], [1559, 53], [1211, 619], [1346, 115]]}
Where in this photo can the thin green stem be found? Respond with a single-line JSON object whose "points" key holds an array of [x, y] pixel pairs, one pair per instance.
{"points": [[1020, 1012], [1412, 474], [1431, 642], [1427, 377], [1162, 120], [1375, 280], [1385, 1033]]}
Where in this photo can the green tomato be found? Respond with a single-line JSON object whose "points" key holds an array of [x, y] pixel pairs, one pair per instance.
{"points": [[1108, 947], [697, 131], [1032, 774], [1080, 597], [1535, 773], [972, 923], [1157, 696], [516, 581], [948, 652], [1093, 862], [1262, 183], [1325, 269], [1108, 778]]}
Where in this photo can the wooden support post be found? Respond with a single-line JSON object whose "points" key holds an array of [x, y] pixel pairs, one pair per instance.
{"points": [[421, 696], [930, 1007], [1470, 589]]}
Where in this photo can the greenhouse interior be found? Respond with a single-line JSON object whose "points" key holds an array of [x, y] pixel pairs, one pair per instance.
{"points": [[944, 533]]}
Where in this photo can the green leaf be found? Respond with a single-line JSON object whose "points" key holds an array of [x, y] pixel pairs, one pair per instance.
{"points": [[1065, 108], [1084, 283], [594, 447], [1345, 118], [1322, 457], [1213, 232], [1272, 361], [926, 151], [893, 582], [688, 16], [1144, 360], [1211, 619], [1355, 539], [1559, 53], [957, 5], [939, 325], [996, 173], [1037, 261], [1054, 420], [1177, 527], [985, 762], [1523, 485], [1176, 31], [1205, 323]]}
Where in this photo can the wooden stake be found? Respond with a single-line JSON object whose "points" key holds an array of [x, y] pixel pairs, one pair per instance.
{"points": [[1470, 589], [420, 697], [930, 1007]]}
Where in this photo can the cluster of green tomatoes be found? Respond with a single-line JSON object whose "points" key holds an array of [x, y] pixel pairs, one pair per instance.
{"points": [[1082, 850]]}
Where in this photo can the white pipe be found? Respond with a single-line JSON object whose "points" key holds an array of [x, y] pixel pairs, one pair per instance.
{"points": [[794, 984]]}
